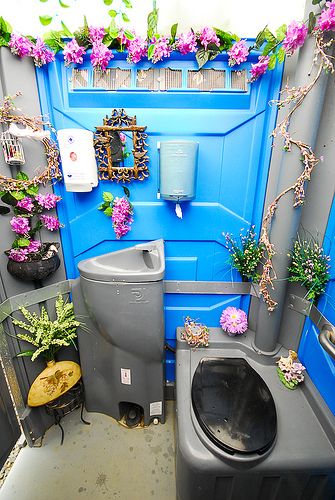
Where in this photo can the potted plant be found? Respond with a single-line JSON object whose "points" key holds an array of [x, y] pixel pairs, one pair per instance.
{"points": [[48, 337], [31, 259], [245, 254]]}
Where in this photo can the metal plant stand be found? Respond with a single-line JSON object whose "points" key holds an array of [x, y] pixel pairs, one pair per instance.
{"points": [[66, 403]]}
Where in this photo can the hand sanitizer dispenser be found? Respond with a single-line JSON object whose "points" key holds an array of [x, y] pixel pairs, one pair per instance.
{"points": [[77, 153], [178, 168]]}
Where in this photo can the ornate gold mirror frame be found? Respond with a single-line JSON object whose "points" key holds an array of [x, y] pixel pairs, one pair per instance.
{"points": [[108, 169]]}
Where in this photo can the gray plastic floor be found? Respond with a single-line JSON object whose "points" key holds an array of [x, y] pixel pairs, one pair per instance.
{"points": [[100, 461]]}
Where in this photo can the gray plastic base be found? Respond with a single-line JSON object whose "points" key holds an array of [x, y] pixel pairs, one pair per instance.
{"points": [[301, 464]]}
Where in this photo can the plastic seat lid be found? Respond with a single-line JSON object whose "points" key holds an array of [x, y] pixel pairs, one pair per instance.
{"points": [[234, 406]]}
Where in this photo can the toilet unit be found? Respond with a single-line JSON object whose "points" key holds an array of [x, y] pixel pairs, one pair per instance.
{"points": [[241, 434], [122, 355]]}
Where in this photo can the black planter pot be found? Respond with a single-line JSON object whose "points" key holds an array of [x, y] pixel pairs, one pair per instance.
{"points": [[34, 270]]}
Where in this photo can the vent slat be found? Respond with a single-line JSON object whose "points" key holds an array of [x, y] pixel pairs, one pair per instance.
{"points": [[239, 80], [206, 79], [79, 78]]}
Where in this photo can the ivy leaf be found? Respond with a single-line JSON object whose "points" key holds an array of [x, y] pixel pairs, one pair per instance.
{"points": [[281, 32], [45, 20], [22, 176], [23, 242], [107, 196], [112, 13], [128, 4], [311, 22], [272, 62], [66, 30], [64, 5], [126, 191], [152, 23], [125, 17], [174, 28], [202, 57], [281, 55], [108, 2], [108, 211]]}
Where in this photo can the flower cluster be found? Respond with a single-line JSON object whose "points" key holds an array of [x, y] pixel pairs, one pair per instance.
{"points": [[120, 210], [187, 43], [137, 49], [208, 36], [100, 56], [238, 53], [73, 53], [28, 207], [41, 53], [23, 47], [234, 321], [161, 48], [196, 334], [295, 37], [245, 254], [290, 371], [309, 267], [326, 20], [258, 69], [20, 45]]}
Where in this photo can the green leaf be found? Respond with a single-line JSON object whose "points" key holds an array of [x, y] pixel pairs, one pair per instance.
{"points": [[108, 211], [174, 28], [127, 4], [43, 1], [272, 61], [260, 38], [268, 47], [126, 191], [64, 5], [66, 30], [22, 176], [152, 23], [3, 42], [226, 39], [269, 36], [129, 35], [9, 199], [151, 50], [32, 190], [202, 56], [125, 17], [27, 353], [108, 2], [85, 22], [281, 55], [107, 196], [281, 32], [112, 13], [23, 242], [54, 40], [45, 20], [316, 2], [18, 195], [311, 22]]}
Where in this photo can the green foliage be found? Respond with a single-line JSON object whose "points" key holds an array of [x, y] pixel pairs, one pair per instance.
{"points": [[311, 22], [23, 242], [82, 35], [245, 253], [112, 13], [174, 29], [281, 32], [152, 22], [64, 5], [108, 2], [107, 196], [45, 20], [66, 31], [125, 17], [309, 267], [46, 335], [260, 38], [127, 4], [5, 32], [226, 39], [292, 384], [126, 191]]}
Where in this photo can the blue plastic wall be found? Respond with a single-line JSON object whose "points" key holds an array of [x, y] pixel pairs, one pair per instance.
{"points": [[233, 130], [320, 366]]}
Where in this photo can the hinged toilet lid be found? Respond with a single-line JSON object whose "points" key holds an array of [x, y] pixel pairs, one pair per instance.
{"points": [[233, 405]]}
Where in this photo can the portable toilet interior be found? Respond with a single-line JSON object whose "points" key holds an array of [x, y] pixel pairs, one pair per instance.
{"points": [[207, 167]]}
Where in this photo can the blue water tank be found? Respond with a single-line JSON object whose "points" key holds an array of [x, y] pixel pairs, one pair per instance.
{"points": [[178, 168]]}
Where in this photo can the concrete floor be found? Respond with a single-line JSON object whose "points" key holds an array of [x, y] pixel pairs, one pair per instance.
{"points": [[99, 461]]}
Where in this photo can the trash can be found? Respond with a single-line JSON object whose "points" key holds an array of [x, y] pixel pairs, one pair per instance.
{"points": [[122, 360]]}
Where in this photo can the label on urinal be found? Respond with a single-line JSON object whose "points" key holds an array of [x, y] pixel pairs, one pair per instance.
{"points": [[125, 376], [156, 408]]}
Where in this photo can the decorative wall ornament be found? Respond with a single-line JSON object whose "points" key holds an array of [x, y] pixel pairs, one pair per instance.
{"points": [[36, 124], [107, 145]]}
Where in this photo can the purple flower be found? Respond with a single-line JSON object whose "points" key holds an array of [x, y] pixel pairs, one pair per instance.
{"points": [[18, 254], [295, 37], [207, 36], [96, 34], [234, 321], [41, 54], [327, 17], [26, 203], [20, 225], [121, 216], [137, 49], [238, 53], [161, 48], [101, 55], [186, 43], [34, 246], [73, 53], [50, 222], [48, 200], [20, 45], [259, 68]]}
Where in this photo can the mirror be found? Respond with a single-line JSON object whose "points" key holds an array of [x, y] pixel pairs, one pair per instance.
{"points": [[121, 148]]}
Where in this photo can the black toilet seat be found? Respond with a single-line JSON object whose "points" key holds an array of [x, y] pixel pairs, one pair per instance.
{"points": [[234, 406]]}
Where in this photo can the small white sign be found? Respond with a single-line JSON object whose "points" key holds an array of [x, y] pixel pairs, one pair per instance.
{"points": [[156, 408], [125, 376]]}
